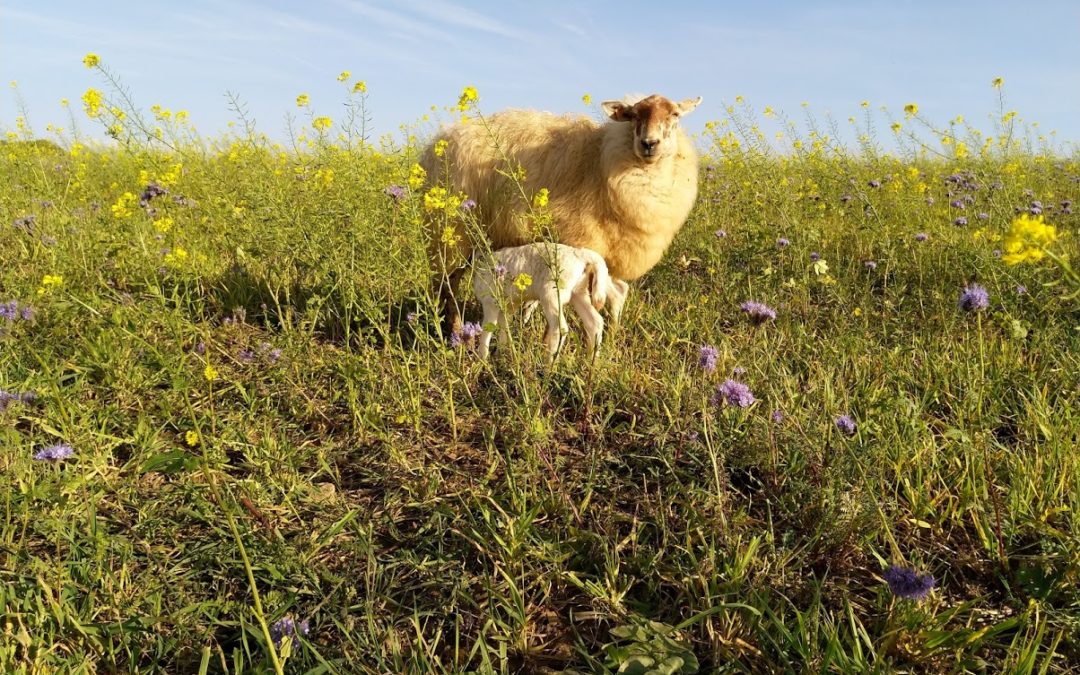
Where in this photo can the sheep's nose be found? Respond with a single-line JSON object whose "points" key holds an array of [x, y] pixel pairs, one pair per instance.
{"points": [[649, 145]]}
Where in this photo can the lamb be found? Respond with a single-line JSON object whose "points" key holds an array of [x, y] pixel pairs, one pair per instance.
{"points": [[548, 275], [622, 189]]}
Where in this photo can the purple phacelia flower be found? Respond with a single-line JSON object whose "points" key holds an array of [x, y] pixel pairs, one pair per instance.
{"points": [[25, 223], [957, 204], [200, 348], [922, 236], [500, 271], [734, 393], [777, 415], [397, 192], [974, 298], [55, 453], [9, 310], [720, 234], [870, 265], [288, 628], [982, 215], [814, 256], [468, 205], [707, 358], [907, 584], [961, 221], [874, 183], [783, 242], [759, 312], [246, 356], [846, 425], [929, 201], [468, 331], [738, 370], [845, 199], [410, 318], [1021, 289]]}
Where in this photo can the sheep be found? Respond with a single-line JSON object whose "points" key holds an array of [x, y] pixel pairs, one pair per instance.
{"points": [[556, 274], [623, 188]]}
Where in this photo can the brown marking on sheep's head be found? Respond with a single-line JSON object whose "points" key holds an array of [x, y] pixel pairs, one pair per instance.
{"points": [[655, 120]]}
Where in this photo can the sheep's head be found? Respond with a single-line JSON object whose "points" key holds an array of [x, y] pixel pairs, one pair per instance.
{"points": [[655, 120]]}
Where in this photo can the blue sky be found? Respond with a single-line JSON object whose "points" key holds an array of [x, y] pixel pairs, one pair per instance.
{"points": [[414, 54]]}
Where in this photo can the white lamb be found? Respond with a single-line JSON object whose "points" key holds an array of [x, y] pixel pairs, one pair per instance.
{"points": [[560, 274]]}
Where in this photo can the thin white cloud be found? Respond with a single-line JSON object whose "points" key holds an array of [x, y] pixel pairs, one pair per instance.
{"points": [[404, 25], [450, 14]]}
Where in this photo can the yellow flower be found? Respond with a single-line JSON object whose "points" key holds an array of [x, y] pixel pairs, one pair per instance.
{"points": [[176, 257], [540, 199], [1008, 117], [739, 99], [435, 199], [865, 104], [587, 99], [360, 87], [92, 102], [440, 147], [322, 123], [344, 76], [124, 206], [49, 283], [769, 112], [163, 225], [210, 373], [895, 127], [522, 281], [417, 175], [961, 150], [856, 312], [91, 60], [998, 82], [303, 100], [468, 99], [911, 109], [1027, 240], [191, 438], [449, 235]]}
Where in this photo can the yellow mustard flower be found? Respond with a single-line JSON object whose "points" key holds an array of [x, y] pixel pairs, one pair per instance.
{"points": [[896, 127], [210, 373], [468, 99], [49, 283], [440, 147], [417, 176], [91, 60], [303, 100], [435, 198], [540, 199], [522, 281], [587, 99], [92, 102], [360, 87], [911, 109], [124, 206], [344, 76], [191, 438], [998, 82], [1027, 240]]}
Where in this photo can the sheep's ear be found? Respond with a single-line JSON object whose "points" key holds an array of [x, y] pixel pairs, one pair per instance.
{"points": [[687, 105], [618, 111]]}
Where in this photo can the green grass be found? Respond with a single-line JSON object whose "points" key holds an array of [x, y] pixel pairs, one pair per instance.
{"points": [[427, 512]]}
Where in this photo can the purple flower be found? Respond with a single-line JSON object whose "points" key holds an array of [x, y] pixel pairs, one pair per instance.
{"points": [[974, 298], [961, 221], [397, 192], [777, 415], [815, 256], [759, 312], [1021, 290], [25, 223], [246, 356], [845, 199], [200, 348], [410, 318], [500, 271], [738, 370], [929, 201], [734, 393], [150, 192], [957, 204], [870, 265], [9, 310], [846, 425], [287, 628], [9, 397], [468, 205], [55, 453], [874, 183], [707, 358], [720, 234], [922, 236], [783, 242], [907, 584], [982, 215], [468, 331]]}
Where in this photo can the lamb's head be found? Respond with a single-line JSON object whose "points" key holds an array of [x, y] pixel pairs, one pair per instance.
{"points": [[655, 121]]}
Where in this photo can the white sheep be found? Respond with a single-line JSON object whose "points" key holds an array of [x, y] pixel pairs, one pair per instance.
{"points": [[622, 189], [552, 275]]}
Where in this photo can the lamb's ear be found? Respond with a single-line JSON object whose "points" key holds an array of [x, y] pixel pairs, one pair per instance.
{"points": [[618, 111], [687, 105]]}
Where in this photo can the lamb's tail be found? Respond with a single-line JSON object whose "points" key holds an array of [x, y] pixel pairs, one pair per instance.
{"points": [[599, 282]]}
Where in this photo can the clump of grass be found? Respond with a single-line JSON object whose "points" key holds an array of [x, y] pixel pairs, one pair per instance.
{"points": [[278, 462]]}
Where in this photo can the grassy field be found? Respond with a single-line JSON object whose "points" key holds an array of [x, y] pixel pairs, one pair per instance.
{"points": [[234, 344]]}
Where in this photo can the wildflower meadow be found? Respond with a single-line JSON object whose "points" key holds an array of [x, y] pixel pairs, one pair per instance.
{"points": [[836, 430]]}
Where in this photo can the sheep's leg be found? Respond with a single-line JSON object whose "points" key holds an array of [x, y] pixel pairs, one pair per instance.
{"points": [[617, 294], [449, 287], [556, 327], [492, 317], [530, 308], [590, 320]]}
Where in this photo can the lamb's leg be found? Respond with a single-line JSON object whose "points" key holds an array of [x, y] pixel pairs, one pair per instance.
{"points": [[590, 320], [530, 307], [556, 327], [449, 286], [617, 293], [492, 318]]}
